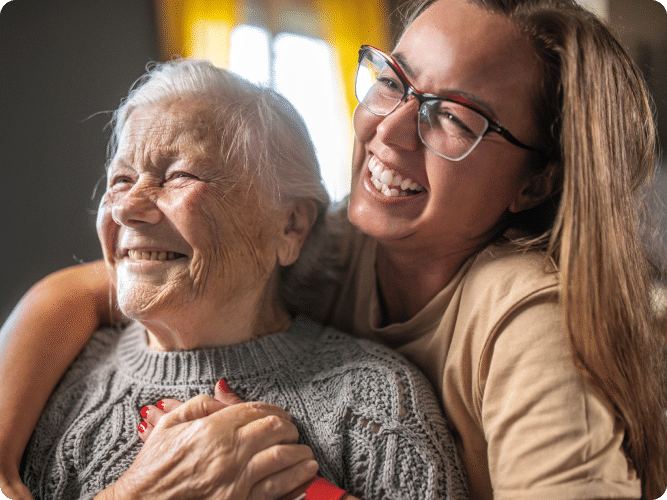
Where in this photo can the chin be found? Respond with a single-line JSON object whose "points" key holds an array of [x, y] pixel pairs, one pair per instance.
{"points": [[142, 301]]}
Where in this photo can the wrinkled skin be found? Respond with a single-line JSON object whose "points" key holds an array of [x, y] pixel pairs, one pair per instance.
{"points": [[168, 192], [205, 449]]}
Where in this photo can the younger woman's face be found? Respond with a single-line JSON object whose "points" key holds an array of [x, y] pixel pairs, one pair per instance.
{"points": [[454, 46]]}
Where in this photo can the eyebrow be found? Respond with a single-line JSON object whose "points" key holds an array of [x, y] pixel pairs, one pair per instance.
{"points": [[483, 106]]}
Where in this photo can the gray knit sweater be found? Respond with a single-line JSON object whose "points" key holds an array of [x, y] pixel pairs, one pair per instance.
{"points": [[332, 385]]}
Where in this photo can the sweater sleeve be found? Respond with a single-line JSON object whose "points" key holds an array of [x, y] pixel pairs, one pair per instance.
{"points": [[397, 442]]}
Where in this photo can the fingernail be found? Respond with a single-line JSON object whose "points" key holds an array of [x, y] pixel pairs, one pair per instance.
{"points": [[160, 404], [225, 387], [144, 412], [142, 427]]}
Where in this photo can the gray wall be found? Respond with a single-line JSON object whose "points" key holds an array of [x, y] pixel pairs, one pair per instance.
{"points": [[61, 61]]}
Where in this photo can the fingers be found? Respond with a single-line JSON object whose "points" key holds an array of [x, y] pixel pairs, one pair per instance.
{"points": [[283, 469], [271, 429], [258, 425], [167, 405], [225, 394], [144, 429], [198, 407], [151, 416]]}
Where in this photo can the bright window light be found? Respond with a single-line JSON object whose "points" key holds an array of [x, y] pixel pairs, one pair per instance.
{"points": [[209, 41], [306, 73], [249, 54], [597, 7]]}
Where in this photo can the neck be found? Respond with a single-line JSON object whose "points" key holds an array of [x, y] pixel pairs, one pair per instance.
{"points": [[407, 281], [241, 320]]}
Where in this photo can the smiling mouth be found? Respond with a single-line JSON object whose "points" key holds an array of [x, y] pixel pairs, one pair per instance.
{"points": [[391, 184], [139, 255]]}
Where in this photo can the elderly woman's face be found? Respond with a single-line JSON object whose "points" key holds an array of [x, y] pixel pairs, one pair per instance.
{"points": [[453, 47], [177, 226]]}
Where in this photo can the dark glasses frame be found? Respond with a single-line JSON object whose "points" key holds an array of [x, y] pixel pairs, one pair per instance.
{"points": [[493, 124]]}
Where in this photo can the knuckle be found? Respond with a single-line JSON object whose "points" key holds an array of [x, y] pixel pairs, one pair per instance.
{"points": [[273, 422], [255, 405], [278, 454], [270, 488]]}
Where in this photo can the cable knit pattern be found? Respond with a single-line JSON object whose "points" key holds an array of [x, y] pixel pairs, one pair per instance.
{"points": [[371, 419]]}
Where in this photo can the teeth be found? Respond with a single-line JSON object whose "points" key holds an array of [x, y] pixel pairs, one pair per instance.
{"points": [[389, 182], [136, 255], [387, 177]]}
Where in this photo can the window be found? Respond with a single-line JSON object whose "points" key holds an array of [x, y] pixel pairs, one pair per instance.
{"points": [[306, 72], [305, 49]]}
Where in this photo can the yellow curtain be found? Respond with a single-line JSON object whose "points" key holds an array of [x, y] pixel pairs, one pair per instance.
{"points": [[203, 27], [196, 27], [346, 26]]}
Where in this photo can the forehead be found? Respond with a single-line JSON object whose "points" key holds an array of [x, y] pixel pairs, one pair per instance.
{"points": [[177, 125], [456, 45]]}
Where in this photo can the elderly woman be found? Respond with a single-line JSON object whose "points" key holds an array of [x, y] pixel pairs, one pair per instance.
{"points": [[212, 193], [503, 152]]}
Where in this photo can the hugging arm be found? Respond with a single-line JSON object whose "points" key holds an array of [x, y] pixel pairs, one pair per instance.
{"points": [[40, 339]]}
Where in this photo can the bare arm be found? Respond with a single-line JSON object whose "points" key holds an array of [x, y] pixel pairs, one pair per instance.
{"points": [[40, 339]]}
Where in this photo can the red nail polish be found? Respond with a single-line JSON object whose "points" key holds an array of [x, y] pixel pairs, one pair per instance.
{"points": [[142, 427], [160, 405], [144, 412], [225, 387]]}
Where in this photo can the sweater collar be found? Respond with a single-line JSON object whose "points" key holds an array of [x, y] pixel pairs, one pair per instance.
{"points": [[206, 366]]}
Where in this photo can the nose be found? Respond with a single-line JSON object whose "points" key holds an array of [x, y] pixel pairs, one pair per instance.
{"points": [[399, 127], [135, 208]]}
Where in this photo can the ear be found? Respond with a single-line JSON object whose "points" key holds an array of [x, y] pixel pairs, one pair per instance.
{"points": [[299, 221], [537, 188]]}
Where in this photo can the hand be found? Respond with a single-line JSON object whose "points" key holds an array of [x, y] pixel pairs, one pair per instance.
{"points": [[153, 414], [204, 449]]}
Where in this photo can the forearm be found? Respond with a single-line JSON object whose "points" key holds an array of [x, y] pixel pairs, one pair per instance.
{"points": [[11, 485], [40, 339]]}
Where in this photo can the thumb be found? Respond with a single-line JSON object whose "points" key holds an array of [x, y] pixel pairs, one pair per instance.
{"points": [[225, 394]]}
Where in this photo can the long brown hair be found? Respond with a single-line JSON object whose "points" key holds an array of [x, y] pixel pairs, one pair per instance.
{"points": [[597, 121]]}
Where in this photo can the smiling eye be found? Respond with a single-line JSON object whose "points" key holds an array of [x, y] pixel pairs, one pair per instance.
{"points": [[119, 179], [180, 176]]}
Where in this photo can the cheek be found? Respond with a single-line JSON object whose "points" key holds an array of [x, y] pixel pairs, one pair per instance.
{"points": [[364, 123], [228, 233], [107, 231], [106, 227]]}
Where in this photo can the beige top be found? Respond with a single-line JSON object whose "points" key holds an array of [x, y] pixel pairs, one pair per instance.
{"points": [[528, 424]]}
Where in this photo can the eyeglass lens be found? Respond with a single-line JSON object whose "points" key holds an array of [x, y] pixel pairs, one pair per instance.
{"points": [[449, 129]]}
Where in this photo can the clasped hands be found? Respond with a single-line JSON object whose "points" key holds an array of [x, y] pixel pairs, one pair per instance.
{"points": [[216, 448]]}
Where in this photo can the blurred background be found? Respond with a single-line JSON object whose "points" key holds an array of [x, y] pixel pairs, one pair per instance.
{"points": [[65, 63]]}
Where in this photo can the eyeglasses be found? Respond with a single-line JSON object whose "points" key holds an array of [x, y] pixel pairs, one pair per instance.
{"points": [[450, 126]]}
